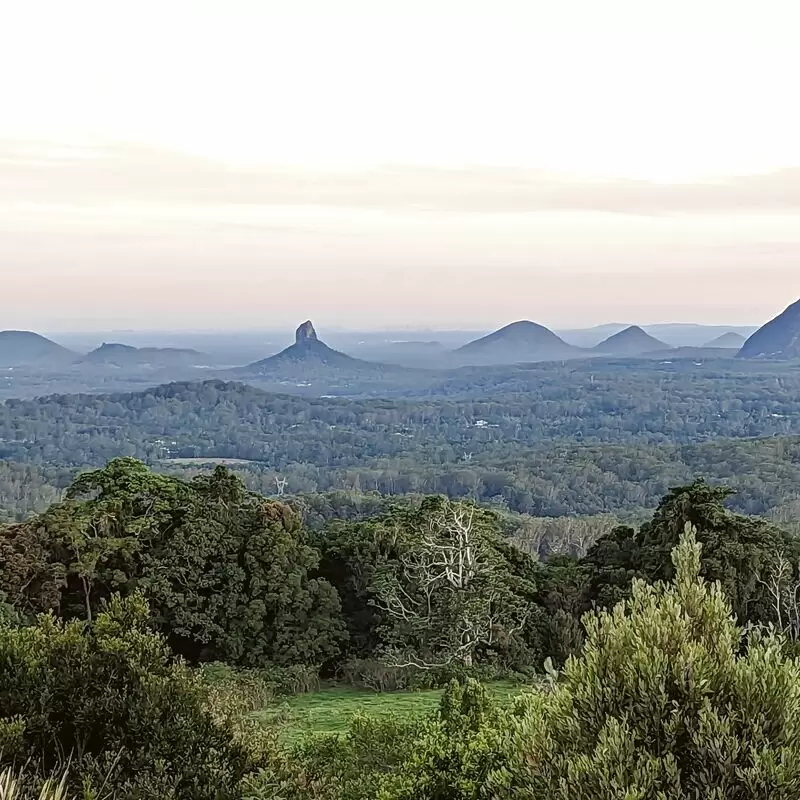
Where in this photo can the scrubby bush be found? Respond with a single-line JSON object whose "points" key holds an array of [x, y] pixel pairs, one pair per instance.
{"points": [[456, 750], [348, 767], [670, 699], [378, 676], [248, 690], [108, 700]]}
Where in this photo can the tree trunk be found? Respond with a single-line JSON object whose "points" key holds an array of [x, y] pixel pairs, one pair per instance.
{"points": [[87, 599]]}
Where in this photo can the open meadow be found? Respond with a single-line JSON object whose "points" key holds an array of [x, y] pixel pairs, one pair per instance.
{"points": [[331, 709]]}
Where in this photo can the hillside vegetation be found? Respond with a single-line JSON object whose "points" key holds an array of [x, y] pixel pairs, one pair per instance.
{"points": [[540, 453]]}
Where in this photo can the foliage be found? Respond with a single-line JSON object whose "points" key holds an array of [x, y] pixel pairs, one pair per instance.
{"points": [[663, 703], [339, 767], [20, 786], [547, 441], [107, 700], [456, 752], [738, 551], [669, 699], [252, 689], [561, 586], [424, 585], [446, 598], [357, 743], [377, 676], [25, 489], [227, 573]]}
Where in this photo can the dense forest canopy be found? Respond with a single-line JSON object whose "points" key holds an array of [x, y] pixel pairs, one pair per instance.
{"points": [[590, 448], [233, 576], [238, 421]]}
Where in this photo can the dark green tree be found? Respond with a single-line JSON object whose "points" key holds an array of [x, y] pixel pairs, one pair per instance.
{"points": [[738, 551], [108, 701], [227, 573]]}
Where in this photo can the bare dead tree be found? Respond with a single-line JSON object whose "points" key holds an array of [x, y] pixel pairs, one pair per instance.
{"points": [[445, 589], [783, 587]]}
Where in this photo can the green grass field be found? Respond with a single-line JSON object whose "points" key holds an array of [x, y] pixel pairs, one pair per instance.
{"points": [[330, 710]]}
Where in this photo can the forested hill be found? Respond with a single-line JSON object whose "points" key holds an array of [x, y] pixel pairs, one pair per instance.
{"points": [[548, 481], [574, 448], [234, 420]]}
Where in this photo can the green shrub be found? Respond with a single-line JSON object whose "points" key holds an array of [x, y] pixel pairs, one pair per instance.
{"points": [[109, 700], [376, 675], [455, 752], [290, 680], [234, 692], [8, 614], [665, 702], [238, 692], [333, 767]]}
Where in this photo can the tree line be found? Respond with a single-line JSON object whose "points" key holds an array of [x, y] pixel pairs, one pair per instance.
{"points": [[566, 480], [233, 576]]}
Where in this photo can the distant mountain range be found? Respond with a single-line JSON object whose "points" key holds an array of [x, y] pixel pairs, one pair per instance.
{"points": [[676, 334], [779, 339], [24, 348], [311, 362], [519, 342], [633, 341], [123, 355]]}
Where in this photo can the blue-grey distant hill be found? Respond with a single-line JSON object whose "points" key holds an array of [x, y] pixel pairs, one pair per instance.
{"points": [[28, 349], [633, 341], [519, 342], [728, 341], [309, 354], [124, 356], [779, 339]]}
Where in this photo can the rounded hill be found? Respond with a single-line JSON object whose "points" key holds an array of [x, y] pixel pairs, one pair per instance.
{"points": [[518, 342], [25, 348]]}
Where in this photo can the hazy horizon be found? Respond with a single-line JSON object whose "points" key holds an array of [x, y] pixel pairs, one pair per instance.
{"points": [[339, 329], [234, 165]]}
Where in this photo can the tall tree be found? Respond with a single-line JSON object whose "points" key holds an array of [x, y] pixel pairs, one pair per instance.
{"points": [[448, 597], [227, 573], [739, 551]]}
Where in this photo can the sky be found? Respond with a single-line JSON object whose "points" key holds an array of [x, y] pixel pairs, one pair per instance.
{"points": [[235, 164]]}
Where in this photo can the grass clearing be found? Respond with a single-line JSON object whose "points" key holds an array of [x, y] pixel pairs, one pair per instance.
{"points": [[331, 709]]}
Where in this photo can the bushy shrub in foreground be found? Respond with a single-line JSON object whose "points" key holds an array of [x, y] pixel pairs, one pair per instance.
{"points": [[663, 703], [108, 701]]}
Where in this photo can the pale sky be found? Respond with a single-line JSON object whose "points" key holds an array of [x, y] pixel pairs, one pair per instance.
{"points": [[224, 163]]}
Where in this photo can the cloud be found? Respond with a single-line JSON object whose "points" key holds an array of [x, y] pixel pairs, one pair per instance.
{"points": [[37, 172]]}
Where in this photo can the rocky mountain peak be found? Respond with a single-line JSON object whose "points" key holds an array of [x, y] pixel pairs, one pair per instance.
{"points": [[305, 333]]}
